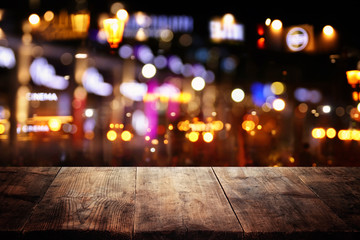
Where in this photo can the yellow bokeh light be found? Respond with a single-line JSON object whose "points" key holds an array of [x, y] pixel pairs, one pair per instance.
{"points": [[2, 128], [193, 136], [248, 125], [344, 135], [355, 135], [54, 124], [34, 19], [331, 133], [208, 137], [328, 31], [126, 136], [111, 135], [318, 133], [277, 88]]}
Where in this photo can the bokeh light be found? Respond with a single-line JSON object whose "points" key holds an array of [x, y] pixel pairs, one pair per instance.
{"points": [[237, 95], [34, 19], [279, 104], [198, 83], [54, 124], [126, 136], [148, 70], [248, 125], [330, 132], [208, 137], [122, 14], [193, 136], [111, 135], [277, 88], [328, 30], [318, 133], [276, 25]]}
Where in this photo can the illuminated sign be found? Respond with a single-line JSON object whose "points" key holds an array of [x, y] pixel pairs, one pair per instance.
{"points": [[7, 58], [32, 128], [297, 39], [43, 74], [93, 82], [41, 97], [226, 29], [152, 25]]}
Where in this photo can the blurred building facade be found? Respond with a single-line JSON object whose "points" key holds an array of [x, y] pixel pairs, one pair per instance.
{"points": [[175, 91]]}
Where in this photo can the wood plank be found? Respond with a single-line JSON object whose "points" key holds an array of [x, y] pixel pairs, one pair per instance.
{"points": [[86, 203], [21, 188], [338, 187], [182, 203], [273, 203]]}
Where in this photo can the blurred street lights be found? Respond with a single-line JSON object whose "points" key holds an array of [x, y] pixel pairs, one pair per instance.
{"points": [[353, 78], [80, 22], [114, 28]]}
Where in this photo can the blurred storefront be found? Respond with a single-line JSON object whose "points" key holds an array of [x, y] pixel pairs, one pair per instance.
{"points": [[162, 97]]}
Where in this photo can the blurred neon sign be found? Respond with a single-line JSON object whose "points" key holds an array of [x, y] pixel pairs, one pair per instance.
{"points": [[41, 97], [32, 128], [154, 24], [43, 74], [297, 39], [226, 29]]}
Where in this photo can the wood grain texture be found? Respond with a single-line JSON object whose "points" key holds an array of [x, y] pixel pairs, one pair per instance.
{"points": [[338, 187], [273, 203], [86, 203], [182, 203], [21, 188]]}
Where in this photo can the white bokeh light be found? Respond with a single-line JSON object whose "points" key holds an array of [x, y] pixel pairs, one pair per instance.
{"points": [[148, 70], [198, 83], [237, 95]]}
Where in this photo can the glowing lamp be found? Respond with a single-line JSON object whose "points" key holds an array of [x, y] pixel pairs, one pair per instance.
{"points": [[114, 29], [80, 22], [328, 31], [353, 77], [54, 124]]}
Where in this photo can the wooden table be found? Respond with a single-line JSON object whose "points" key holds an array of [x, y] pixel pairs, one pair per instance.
{"points": [[179, 203]]}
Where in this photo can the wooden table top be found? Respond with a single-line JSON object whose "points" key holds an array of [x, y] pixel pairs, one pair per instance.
{"points": [[179, 203]]}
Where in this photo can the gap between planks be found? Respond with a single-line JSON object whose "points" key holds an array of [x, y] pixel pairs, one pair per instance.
{"points": [[227, 198]]}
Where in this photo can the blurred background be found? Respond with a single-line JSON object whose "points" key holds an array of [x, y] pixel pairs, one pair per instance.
{"points": [[128, 83]]}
